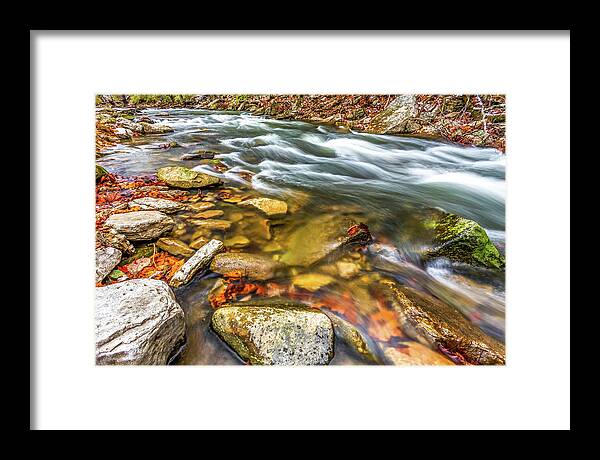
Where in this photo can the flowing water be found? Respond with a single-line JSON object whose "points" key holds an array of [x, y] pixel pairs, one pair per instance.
{"points": [[324, 173]]}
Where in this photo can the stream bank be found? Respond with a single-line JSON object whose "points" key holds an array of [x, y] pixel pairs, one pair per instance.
{"points": [[477, 120]]}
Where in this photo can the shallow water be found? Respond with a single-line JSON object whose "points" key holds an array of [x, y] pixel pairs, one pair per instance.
{"points": [[388, 182]]}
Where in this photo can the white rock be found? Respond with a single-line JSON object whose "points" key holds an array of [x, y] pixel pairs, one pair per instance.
{"points": [[106, 260], [157, 204], [141, 225], [137, 322], [200, 260]]}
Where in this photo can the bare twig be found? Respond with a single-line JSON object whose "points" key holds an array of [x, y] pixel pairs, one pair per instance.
{"points": [[482, 113]]}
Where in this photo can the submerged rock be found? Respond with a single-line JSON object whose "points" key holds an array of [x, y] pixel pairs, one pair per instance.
{"points": [[415, 354], [199, 261], [201, 206], [312, 281], [271, 333], [175, 247], [321, 237], [442, 327], [197, 243], [347, 270], [356, 340], [141, 225], [238, 242], [212, 224], [252, 266], [272, 208], [106, 259], [210, 214], [137, 322], [157, 204], [464, 240], [201, 155], [178, 176]]}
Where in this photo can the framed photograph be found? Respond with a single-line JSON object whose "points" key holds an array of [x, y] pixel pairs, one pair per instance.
{"points": [[299, 243]]}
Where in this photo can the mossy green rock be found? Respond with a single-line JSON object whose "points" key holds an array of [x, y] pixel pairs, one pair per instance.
{"points": [[100, 172], [178, 176], [464, 240], [276, 333]]}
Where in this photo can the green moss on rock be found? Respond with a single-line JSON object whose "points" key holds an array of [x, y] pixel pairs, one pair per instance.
{"points": [[100, 172], [178, 176], [464, 240]]}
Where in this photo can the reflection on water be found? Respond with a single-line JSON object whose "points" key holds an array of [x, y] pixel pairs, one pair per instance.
{"points": [[388, 182]]}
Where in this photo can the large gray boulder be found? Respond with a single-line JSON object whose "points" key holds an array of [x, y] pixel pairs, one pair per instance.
{"points": [[106, 260], [137, 322], [276, 333], [140, 225]]}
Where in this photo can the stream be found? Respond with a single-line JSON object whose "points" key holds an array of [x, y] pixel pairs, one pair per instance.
{"points": [[325, 173]]}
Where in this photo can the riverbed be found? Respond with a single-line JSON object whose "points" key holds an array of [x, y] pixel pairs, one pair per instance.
{"points": [[325, 175]]}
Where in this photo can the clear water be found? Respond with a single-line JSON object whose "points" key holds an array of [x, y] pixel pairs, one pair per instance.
{"points": [[387, 182]]}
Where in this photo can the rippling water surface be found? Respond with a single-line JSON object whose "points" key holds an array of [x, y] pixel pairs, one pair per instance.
{"points": [[385, 181]]}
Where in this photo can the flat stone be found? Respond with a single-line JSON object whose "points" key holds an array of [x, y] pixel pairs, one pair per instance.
{"points": [[312, 281], [157, 204], [252, 266], [269, 206], [197, 243], [212, 213], [175, 247], [141, 225], [137, 322], [212, 224], [178, 176], [238, 242], [202, 155], [271, 334], [201, 206]]}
